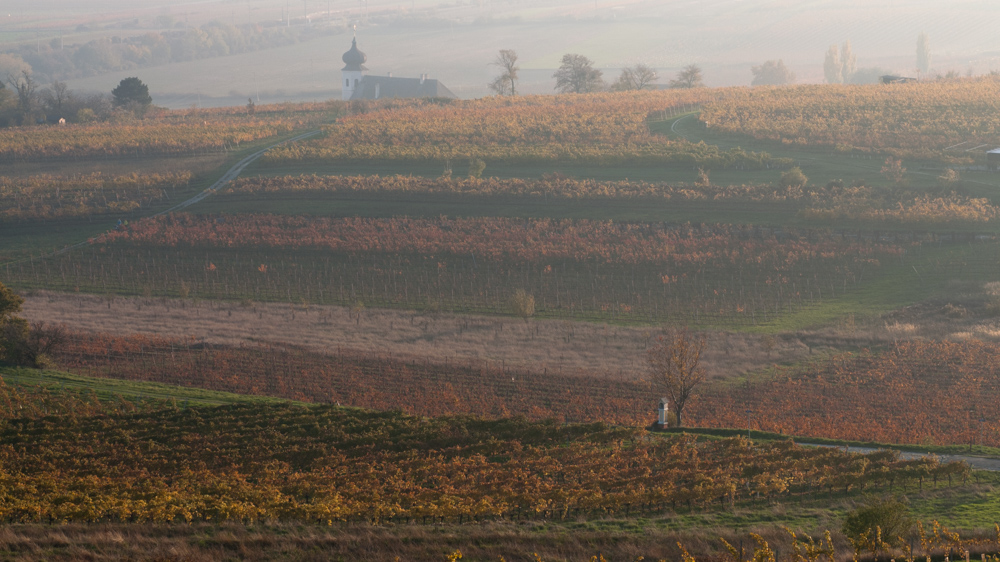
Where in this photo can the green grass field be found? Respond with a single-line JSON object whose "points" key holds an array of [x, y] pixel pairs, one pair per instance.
{"points": [[940, 272]]}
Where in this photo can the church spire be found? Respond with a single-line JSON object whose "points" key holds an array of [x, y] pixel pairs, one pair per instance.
{"points": [[354, 58], [353, 71]]}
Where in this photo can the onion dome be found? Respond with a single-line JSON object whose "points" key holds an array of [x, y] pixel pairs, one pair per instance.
{"points": [[354, 59]]}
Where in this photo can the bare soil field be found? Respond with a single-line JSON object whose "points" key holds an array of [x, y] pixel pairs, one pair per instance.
{"points": [[535, 345]]}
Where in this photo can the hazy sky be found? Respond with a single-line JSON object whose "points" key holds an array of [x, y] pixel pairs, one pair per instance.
{"points": [[456, 40]]}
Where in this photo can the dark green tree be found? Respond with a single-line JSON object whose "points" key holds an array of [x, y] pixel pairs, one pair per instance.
{"points": [[131, 92], [21, 343], [13, 329]]}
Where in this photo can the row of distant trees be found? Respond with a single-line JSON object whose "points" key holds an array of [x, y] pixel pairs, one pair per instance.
{"points": [[22, 102], [55, 61], [841, 65], [577, 75]]}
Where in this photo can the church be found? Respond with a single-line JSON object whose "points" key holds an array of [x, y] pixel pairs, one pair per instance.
{"points": [[359, 86]]}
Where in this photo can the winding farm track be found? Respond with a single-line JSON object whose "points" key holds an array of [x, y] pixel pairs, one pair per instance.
{"points": [[231, 174]]}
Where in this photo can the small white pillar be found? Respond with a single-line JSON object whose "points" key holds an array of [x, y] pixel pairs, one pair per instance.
{"points": [[662, 412]]}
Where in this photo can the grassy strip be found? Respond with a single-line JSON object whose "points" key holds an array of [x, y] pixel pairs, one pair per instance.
{"points": [[650, 209], [109, 389], [392, 204], [821, 163], [962, 450], [936, 273]]}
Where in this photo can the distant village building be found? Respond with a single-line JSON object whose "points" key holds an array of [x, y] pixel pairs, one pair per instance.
{"points": [[357, 85], [890, 79]]}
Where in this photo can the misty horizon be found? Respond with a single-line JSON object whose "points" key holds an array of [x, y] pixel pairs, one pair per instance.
{"points": [[455, 43]]}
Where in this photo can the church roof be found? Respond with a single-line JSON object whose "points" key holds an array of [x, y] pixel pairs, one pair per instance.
{"points": [[379, 87], [354, 58]]}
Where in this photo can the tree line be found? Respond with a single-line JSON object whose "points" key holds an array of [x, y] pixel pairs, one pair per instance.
{"points": [[23, 102], [58, 61], [577, 75]]}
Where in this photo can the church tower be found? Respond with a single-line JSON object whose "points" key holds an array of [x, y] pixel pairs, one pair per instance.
{"points": [[353, 71]]}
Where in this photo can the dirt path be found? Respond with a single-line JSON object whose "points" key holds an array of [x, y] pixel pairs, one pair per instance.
{"points": [[980, 463], [536, 345], [234, 173]]}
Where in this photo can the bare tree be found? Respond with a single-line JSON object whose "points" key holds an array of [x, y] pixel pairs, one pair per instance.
{"points": [[55, 97], [24, 88], [689, 77], [637, 77], [577, 75], [674, 366], [506, 83]]}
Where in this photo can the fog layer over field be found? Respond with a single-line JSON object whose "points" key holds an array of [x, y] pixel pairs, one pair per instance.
{"points": [[456, 41]]}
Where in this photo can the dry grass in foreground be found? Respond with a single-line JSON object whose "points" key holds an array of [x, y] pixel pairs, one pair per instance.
{"points": [[532, 541]]}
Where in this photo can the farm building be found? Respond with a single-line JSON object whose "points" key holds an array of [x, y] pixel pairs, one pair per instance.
{"points": [[993, 159], [357, 85], [890, 79]]}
